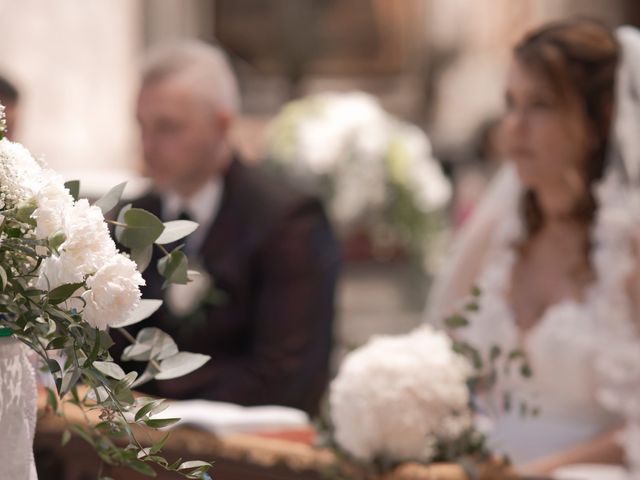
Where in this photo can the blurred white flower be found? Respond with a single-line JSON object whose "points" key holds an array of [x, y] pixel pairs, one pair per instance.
{"points": [[358, 156], [396, 396], [113, 293]]}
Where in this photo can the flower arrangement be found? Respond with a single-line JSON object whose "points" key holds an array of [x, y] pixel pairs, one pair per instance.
{"points": [[63, 284], [413, 397], [401, 397], [376, 172]]}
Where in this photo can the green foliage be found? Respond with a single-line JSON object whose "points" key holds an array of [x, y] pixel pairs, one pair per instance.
{"points": [[488, 365], [75, 353]]}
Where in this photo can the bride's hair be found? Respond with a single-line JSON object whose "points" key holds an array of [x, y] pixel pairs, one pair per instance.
{"points": [[578, 57]]}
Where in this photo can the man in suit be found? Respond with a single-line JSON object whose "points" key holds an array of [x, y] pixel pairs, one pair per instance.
{"points": [[267, 247]]}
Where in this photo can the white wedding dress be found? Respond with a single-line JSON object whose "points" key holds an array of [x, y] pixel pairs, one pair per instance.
{"points": [[567, 346], [17, 412]]}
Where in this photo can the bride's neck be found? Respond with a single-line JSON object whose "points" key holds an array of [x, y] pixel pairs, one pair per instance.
{"points": [[558, 205]]}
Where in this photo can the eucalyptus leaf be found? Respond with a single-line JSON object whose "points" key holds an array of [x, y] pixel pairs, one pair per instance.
{"points": [[74, 188], [109, 200], [175, 230], [142, 257], [174, 267], [120, 220], [161, 344], [69, 380], [110, 369], [193, 464], [181, 364], [160, 422], [142, 228], [146, 308]]}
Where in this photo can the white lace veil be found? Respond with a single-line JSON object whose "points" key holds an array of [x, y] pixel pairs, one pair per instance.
{"points": [[466, 257]]}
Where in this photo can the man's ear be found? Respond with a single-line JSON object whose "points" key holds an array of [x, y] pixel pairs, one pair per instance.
{"points": [[223, 121]]}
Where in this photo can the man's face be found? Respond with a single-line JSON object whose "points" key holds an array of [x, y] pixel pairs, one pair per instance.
{"points": [[181, 134]]}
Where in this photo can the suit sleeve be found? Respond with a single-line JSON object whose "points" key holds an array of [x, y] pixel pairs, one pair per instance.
{"points": [[292, 331]]}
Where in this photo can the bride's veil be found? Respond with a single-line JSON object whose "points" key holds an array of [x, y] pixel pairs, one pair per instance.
{"points": [[465, 259]]}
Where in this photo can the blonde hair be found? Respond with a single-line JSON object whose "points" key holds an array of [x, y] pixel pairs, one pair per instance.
{"points": [[205, 67]]}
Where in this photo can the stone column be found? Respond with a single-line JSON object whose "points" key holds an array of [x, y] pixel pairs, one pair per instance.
{"points": [[75, 63]]}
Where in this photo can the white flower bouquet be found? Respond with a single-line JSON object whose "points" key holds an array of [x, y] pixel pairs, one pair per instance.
{"points": [[376, 172], [402, 397], [63, 284], [413, 397]]}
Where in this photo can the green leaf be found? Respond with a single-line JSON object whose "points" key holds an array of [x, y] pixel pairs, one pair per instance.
{"points": [[56, 239], [142, 228], [160, 344], [142, 257], [173, 267], [472, 307], [147, 409], [69, 380], [63, 292], [3, 278], [52, 399], [175, 230], [141, 467], [74, 188], [109, 200], [110, 369], [160, 422], [193, 464], [66, 436], [146, 308], [53, 365], [525, 370], [158, 446], [181, 364], [25, 210], [120, 229], [456, 321]]}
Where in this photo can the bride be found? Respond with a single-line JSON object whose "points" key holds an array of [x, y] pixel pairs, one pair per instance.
{"points": [[554, 246]]}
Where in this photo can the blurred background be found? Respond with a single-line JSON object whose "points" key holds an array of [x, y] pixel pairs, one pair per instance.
{"points": [[437, 65]]}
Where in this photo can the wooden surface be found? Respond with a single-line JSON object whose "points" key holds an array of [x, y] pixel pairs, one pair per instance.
{"points": [[235, 457]]}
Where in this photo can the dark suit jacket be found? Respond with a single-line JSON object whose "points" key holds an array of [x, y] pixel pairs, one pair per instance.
{"points": [[272, 253]]}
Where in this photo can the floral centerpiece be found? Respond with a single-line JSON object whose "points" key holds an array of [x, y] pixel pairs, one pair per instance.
{"points": [[63, 284], [377, 173], [412, 398]]}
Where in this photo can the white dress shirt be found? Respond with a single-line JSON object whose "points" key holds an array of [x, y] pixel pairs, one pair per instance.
{"points": [[202, 207]]}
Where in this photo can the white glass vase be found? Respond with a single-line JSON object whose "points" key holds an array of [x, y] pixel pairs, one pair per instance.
{"points": [[17, 411]]}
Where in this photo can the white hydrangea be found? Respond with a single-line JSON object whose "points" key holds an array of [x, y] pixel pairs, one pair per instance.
{"points": [[395, 396], [113, 293]]}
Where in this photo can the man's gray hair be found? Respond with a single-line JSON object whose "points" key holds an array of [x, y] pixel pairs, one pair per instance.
{"points": [[205, 66]]}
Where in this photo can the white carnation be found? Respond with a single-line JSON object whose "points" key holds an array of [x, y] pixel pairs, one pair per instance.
{"points": [[113, 292], [87, 247], [88, 244], [397, 395], [53, 203]]}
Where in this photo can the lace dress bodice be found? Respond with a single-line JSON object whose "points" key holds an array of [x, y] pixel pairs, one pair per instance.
{"points": [[17, 411], [565, 347]]}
